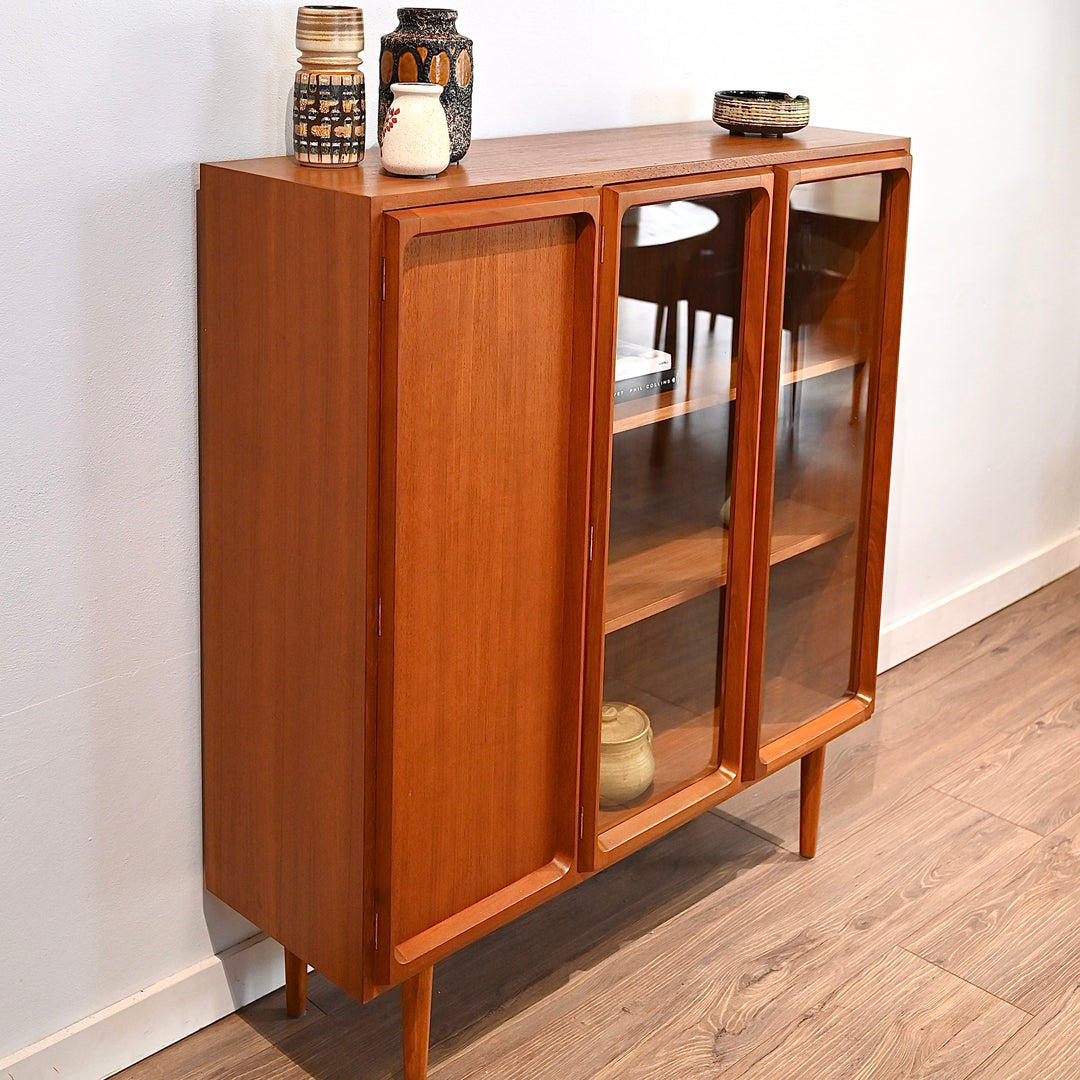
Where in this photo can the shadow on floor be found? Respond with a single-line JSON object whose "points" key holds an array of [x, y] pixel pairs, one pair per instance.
{"points": [[505, 973]]}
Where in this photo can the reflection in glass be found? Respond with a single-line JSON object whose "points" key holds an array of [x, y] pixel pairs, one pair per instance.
{"points": [[831, 331], [680, 295]]}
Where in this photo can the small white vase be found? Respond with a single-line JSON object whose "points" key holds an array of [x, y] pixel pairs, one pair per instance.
{"points": [[416, 139]]}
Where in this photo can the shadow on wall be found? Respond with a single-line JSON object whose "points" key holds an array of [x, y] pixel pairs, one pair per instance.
{"points": [[133, 360], [139, 557]]}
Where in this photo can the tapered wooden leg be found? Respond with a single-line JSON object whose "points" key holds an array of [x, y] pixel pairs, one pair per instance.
{"points": [[813, 769], [295, 985], [416, 1023]]}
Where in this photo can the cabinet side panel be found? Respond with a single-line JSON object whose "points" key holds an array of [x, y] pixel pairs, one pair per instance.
{"points": [[283, 473], [486, 670]]}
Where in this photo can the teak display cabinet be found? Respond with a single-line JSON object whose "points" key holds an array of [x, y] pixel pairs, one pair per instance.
{"points": [[593, 417]]}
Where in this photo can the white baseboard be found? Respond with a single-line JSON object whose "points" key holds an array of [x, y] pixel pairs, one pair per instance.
{"points": [[937, 621], [154, 1018]]}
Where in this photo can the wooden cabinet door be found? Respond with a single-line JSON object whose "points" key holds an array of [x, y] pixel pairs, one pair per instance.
{"points": [[828, 399], [486, 403], [680, 334]]}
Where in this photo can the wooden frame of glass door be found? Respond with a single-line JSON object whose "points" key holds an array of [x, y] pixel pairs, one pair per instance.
{"points": [[601, 846], [760, 759]]}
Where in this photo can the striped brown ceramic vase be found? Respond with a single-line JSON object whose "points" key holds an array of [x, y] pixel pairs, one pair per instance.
{"points": [[328, 95]]}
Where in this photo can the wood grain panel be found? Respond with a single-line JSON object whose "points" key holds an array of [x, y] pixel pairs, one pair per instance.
{"points": [[1029, 776], [483, 598], [501, 167], [1017, 935], [1046, 1047], [895, 201], [901, 1017], [811, 925], [283, 396]]}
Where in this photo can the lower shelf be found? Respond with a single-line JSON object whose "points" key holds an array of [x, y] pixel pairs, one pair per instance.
{"points": [[809, 645], [788, 704], [671, 668], [658, 578]]}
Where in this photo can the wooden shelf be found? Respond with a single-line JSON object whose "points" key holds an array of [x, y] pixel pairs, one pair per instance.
{"points": [[818, 368], [706, 391], [709, 383], [798, 527], [671, 573], [663, 407], [790, 704], [659, 578]]}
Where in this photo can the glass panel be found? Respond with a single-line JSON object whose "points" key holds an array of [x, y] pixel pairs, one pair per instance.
{"points": [[680, 293], [832, 303]]}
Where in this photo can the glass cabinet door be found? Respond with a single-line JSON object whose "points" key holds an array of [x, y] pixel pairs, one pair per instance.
{"points": [[829, 334], [686, 288]]}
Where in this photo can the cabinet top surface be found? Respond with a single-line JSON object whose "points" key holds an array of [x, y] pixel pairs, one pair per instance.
{"points": [[530, 163]]}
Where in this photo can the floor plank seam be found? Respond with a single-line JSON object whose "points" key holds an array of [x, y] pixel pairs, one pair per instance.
{"points": [[1000, 817], [1067, 824], [1036, 839], [998, 997], [982, 1065]]}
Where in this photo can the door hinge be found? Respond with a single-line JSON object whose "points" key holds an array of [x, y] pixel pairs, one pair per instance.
{"points": [[378, 618], [581, 824], [603, 241], [376, 929], [383, 285], [591, 532]]}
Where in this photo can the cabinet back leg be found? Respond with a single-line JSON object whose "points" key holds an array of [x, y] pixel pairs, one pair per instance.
{"points": [[295, 985], [416, 1023], [813, 769]]}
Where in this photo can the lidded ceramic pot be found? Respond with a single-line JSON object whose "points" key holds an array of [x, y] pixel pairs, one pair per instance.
{"points": [[426, 47], [416, 140], [328, 94], [626, 758]]}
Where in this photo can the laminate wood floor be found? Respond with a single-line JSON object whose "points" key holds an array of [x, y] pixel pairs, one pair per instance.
{"points": [[936, 933]]}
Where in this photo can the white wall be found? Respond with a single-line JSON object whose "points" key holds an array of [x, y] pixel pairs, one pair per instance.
{"points": [[109, 107]]}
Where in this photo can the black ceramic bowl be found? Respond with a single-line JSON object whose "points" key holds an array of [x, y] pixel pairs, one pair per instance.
{"points": [[760, 112]]}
